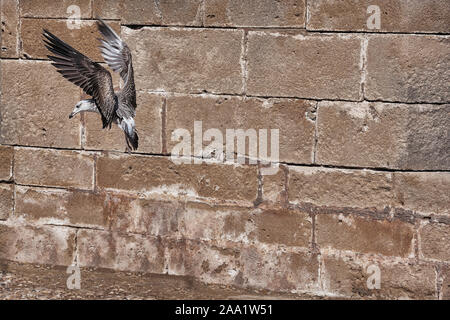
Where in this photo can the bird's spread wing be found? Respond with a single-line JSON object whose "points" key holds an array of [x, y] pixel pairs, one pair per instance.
{"points": [[115, 52], [95, 80]]}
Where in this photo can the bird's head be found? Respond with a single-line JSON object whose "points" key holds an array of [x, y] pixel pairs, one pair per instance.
{"points": [[83, 105]]}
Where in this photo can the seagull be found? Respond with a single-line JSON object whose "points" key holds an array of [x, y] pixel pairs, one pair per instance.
{"points": [[96, 81]]}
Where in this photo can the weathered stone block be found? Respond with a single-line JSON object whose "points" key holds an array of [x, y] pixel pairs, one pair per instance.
{"points": [[274, 186], [58, 206], [435, 241], [282, 226], [244, 266], [201, 221], [54, 168], [6, 162], [6, 200], [303, 66], [348, 277], [130, 252], [360, 234], [408, 68], [279, 270], [138, 12], [289, 116], [159, 175], [186, 60], [255, 13], [423, 192], [143, 216], [395, 16], [43, 245], [34, 111], [9, 10], [340, 188], [394, 136], [445, 289]]}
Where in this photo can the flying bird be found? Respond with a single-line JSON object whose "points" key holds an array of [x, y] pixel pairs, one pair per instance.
{"points": [[96, 81]]}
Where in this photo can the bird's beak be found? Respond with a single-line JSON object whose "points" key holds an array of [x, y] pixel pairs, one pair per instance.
{"points": [[71, 115]]}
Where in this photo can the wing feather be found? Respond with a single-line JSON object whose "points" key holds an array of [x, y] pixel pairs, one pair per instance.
{"points": [[115, 52]]}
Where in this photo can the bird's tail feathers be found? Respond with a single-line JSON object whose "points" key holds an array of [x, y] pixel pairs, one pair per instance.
{"points": [[131, 136], [132, 139]]}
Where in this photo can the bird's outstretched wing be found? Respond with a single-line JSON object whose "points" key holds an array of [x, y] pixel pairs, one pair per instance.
{"points": [[95, 80], [115, 52]]}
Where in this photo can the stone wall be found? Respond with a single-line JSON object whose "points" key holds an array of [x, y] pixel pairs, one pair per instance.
{"points": [[363, 114]]}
